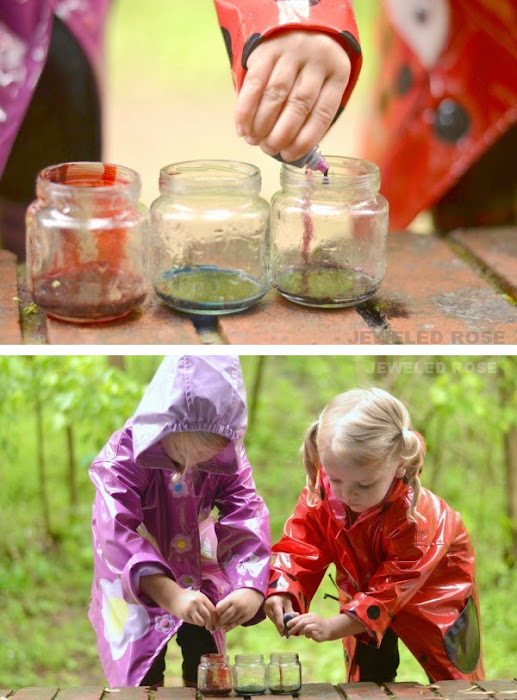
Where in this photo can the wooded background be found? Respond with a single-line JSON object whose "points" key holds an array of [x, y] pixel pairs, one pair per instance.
{"points": [[56, 412]]}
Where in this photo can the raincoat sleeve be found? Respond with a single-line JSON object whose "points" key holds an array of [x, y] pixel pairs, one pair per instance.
{"points": [[119, 537], [301, 557], [413, 551], [245, 23], [242, 529]]}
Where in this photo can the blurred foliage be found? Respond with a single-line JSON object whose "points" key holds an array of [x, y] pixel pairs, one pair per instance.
{"points": [[180, 45], [462, 405]]}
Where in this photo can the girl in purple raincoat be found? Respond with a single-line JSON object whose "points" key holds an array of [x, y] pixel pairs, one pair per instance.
{"points": [[163, 566]]}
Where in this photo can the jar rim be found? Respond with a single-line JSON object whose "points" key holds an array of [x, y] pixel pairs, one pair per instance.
{"points": [[249, 657], [343, 171], [209, 174], [85, 175], [284, 656]]}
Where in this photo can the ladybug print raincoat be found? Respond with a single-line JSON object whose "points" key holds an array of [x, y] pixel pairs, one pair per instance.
{"points": [[417, 578]]}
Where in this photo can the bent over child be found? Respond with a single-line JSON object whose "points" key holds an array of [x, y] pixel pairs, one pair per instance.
{"points": [[163, 567], [404, 561]]}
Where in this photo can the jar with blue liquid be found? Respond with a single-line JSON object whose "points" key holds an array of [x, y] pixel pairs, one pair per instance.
{"points": [[210, 242]]}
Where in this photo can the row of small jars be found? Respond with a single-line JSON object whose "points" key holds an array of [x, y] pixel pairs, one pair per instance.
{"points": [[213, 244], [249, 675]]}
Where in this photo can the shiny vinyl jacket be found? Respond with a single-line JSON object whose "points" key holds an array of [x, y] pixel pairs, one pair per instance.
{"points": [[26, 26], [417, 578], [145, 520]]}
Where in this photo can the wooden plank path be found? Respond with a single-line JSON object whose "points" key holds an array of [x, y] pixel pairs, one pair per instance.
{"points": [[460, 289], [446, 690]]}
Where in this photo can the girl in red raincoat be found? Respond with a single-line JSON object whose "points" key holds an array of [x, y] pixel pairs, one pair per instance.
{"points": [[404, 561]]}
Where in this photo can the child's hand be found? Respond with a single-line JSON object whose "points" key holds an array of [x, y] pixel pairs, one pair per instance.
{"points": [[291, 92], [238, 607], [276, 606], [312, 626], [194, 607], [190, 606]]}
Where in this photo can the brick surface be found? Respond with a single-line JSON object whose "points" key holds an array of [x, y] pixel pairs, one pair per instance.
{"points": [[154, 324], [500, 690], [363, 691], [454, 690], [319, 691], [410, 691], [175, 694], [276, 321], [446, 300], [10, 330], [86, 693], [495, 249], [35, 694]]}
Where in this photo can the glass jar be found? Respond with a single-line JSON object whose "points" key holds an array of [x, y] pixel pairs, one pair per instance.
{"points": [[87, 239], [210, 237], [214, 675], [249, 674], [284, 673], [329, 234]]}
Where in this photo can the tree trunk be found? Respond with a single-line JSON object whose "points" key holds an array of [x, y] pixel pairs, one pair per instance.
{"points": [[255, 391], [73, 498], [42, 470], [117, 361], [510, 448]]}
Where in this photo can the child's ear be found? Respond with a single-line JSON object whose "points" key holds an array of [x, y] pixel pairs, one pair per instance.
{"points": [[401, 471]]}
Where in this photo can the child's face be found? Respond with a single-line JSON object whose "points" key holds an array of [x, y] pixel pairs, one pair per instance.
{"points": [[189, 455], [359, 488]]}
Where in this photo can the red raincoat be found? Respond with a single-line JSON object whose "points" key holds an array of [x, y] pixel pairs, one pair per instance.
{"points": [[245, 23], [417, 578], [446, 92]]}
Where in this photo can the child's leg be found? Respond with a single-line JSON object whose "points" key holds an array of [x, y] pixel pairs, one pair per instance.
{"points": [[194, 642], [155, 675], [378, 664]]}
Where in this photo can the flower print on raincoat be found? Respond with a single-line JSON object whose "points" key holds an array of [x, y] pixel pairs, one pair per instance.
{"points": [[417, 578], [146, 519]]}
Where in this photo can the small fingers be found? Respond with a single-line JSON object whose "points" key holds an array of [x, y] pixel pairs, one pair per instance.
{"points": [[251, 93], [318, 122], [295, 112]]}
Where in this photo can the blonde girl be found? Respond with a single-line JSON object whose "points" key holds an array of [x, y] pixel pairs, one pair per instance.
{"points": [[404, 561]]}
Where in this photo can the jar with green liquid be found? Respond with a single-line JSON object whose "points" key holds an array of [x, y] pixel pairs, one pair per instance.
{"points": [[210, 241]]}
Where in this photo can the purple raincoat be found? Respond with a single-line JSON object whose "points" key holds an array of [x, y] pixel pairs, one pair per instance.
{"points": [[25, 29], [144, 520]]}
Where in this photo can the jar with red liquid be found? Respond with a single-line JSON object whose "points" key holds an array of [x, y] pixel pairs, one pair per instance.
{"points": [[87, 241], [210, 237], [214, 676], [329, 233]]}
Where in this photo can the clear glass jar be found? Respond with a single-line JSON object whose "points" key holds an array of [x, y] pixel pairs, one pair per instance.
{"points": [[210, 237], [249, 674], [87, 240], [284, 673], [329, 234], [214, 675]]}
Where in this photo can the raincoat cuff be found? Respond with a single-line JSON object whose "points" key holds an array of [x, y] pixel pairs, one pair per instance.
{"points": [[131, 578], [374, 615], [246, 23], [280, 584]]}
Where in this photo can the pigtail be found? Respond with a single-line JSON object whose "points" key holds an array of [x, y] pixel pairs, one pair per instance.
{"points": [[412, 455], [311, 461]]}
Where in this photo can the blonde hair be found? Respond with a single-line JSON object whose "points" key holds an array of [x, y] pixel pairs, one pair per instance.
{"points": [[190, 448], [365, 426]]}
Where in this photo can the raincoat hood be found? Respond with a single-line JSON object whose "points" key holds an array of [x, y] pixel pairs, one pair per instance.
{"points": [[191, 393]]}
